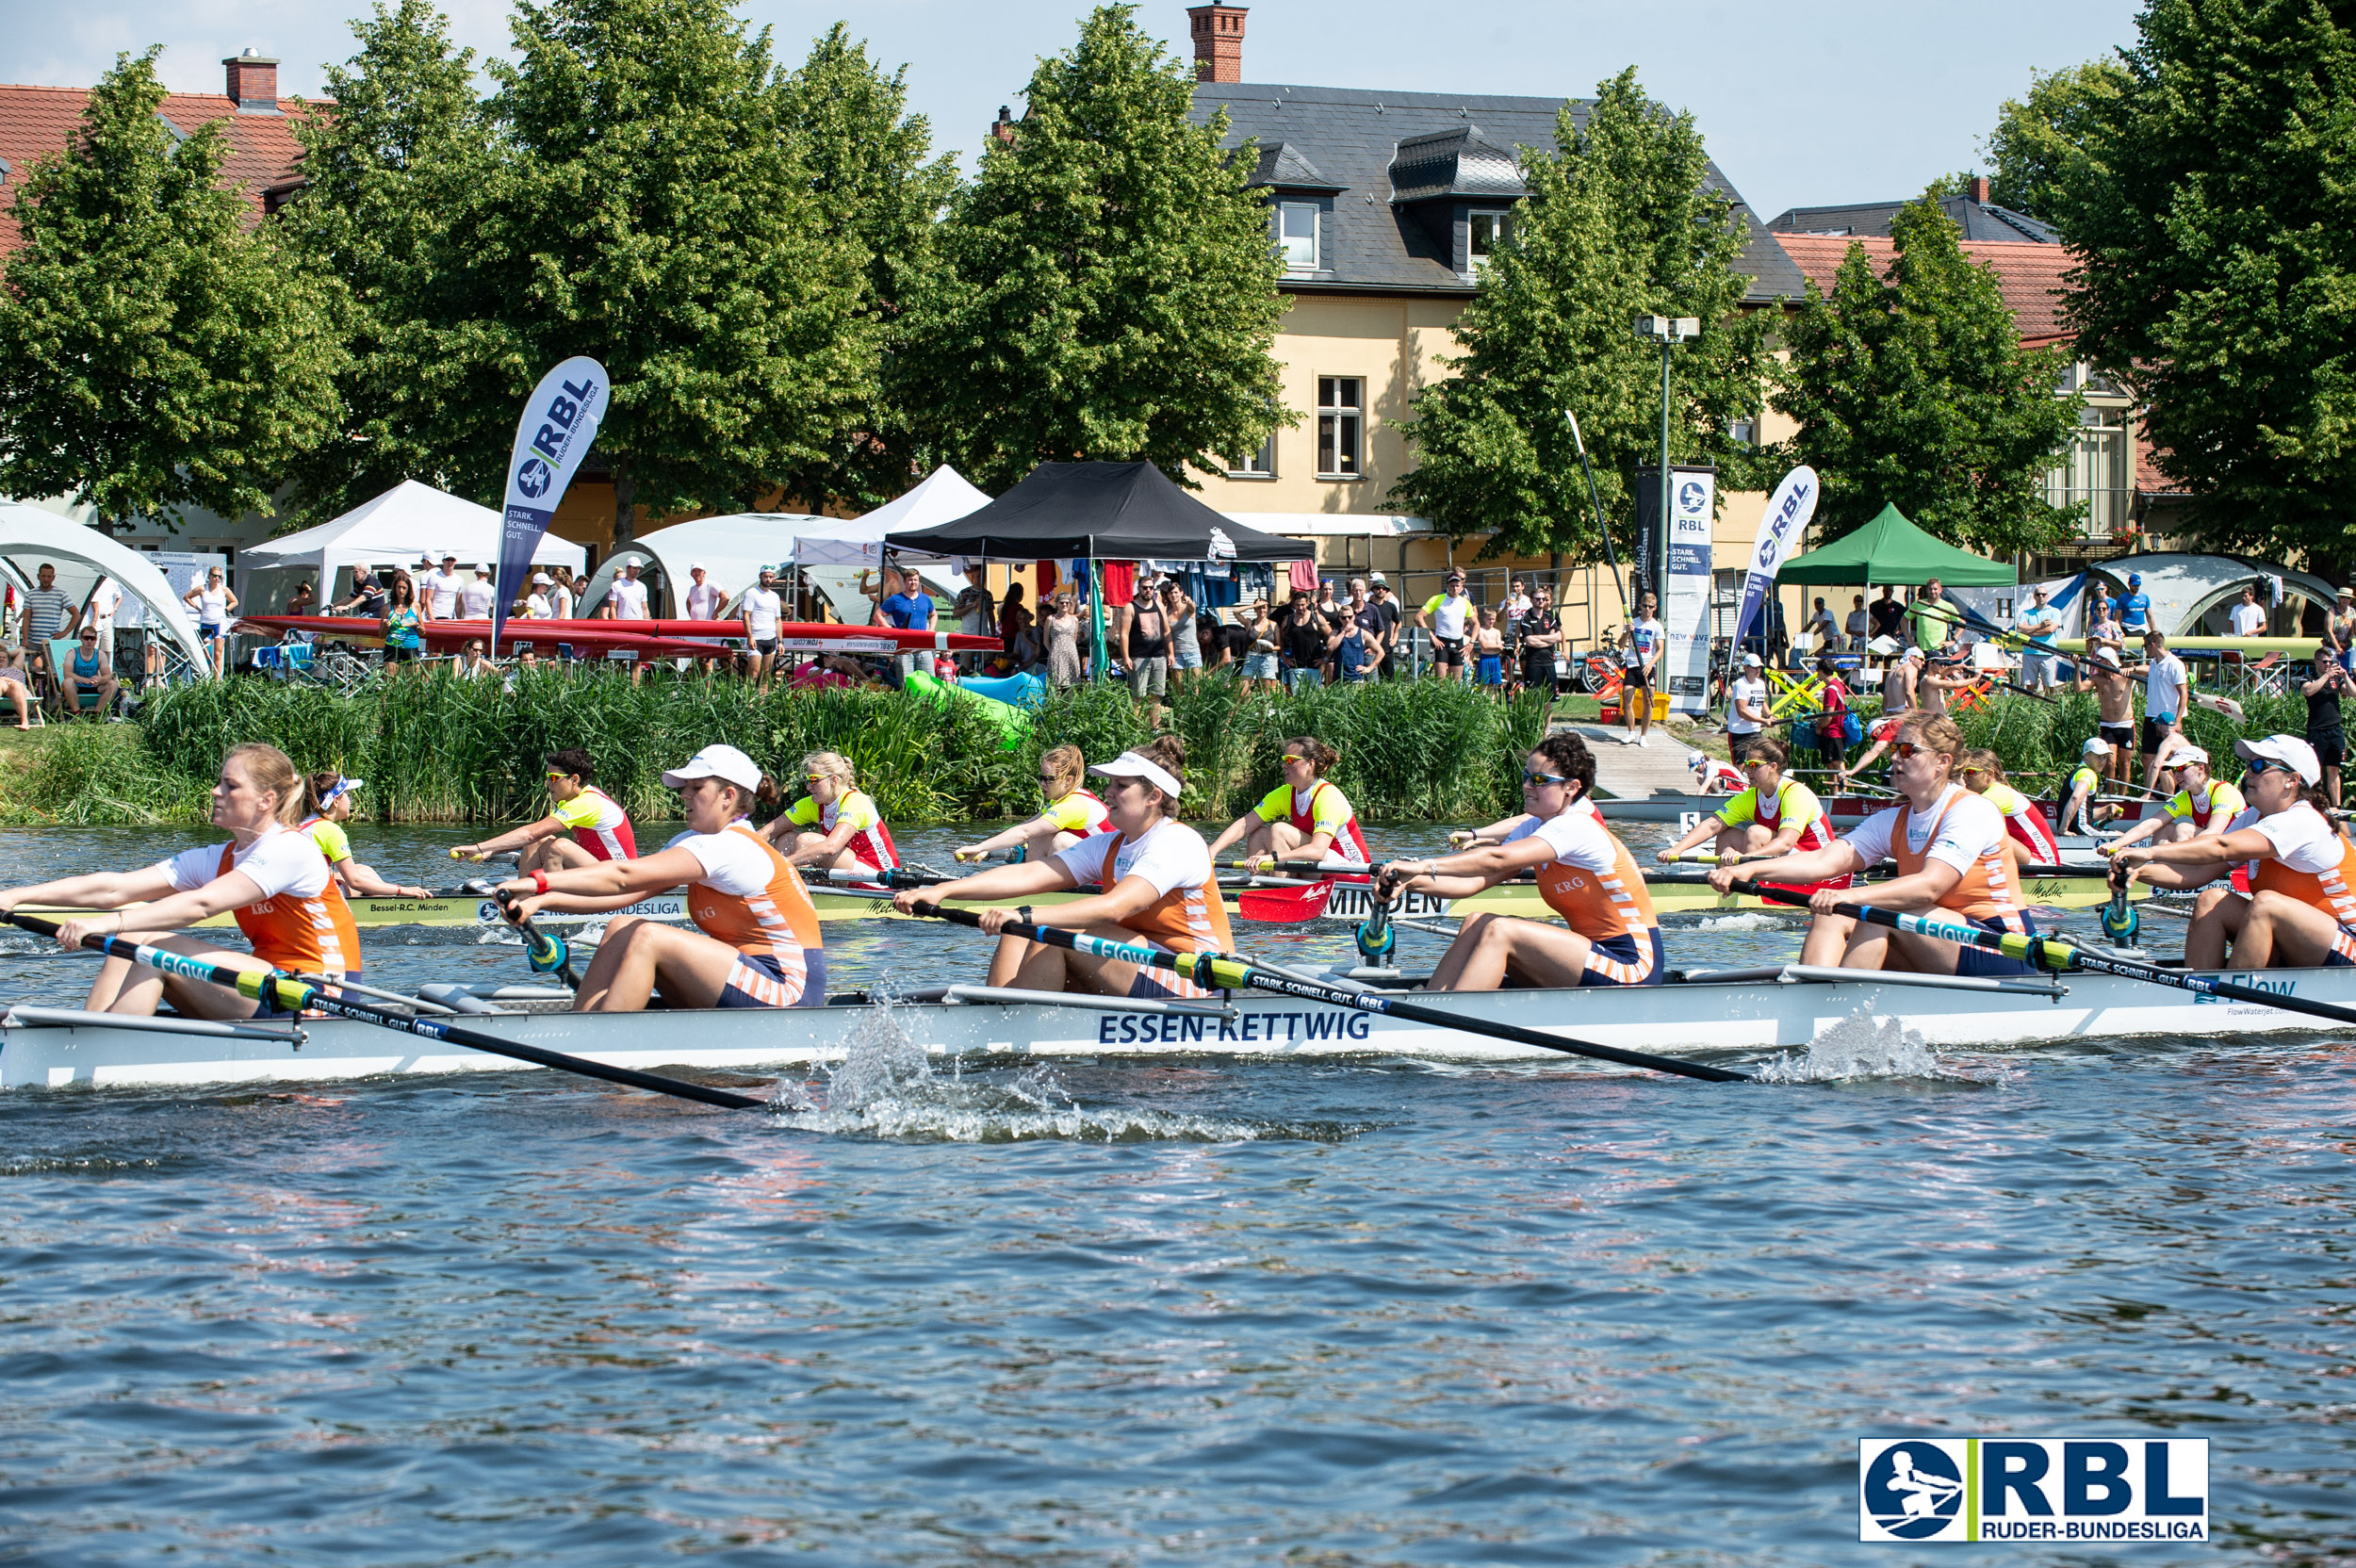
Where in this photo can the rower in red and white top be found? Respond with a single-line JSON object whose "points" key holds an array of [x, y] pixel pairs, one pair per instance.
{"points": [[1584, 873], [1073, 813], [271, 878], [837, 825], [585, 826], [2202, 807], [1305, 818], [756, 942], [2024, 821], [1156, 882], [2300, 912], [1953, 856], [1773, 816]]}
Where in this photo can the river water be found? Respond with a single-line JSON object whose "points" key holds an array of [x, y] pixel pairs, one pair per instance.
{"points": [[1200, 1312]]}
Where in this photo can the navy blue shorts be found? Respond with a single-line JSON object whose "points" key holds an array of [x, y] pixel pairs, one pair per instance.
{"points": [[760, 981], [1975, 960], [1622, 961]]}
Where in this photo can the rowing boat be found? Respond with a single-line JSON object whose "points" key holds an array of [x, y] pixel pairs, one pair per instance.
{"points": [[1724, 1018], [1846, 812], [797, 635]]}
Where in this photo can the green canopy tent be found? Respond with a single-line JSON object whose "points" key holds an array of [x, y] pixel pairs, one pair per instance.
{"points": [[1890, 549]]}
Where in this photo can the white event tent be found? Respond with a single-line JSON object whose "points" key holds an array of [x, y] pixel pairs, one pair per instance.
{"points": [[31, 536], [409, 522]]}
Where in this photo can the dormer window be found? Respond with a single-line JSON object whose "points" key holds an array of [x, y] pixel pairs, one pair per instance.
{"points": [[1296, 236], [1487, 236]]}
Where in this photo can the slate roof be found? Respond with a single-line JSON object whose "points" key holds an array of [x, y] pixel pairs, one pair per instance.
{"points": [[1977, 219], [1284, 165], [2029, 276], [36, 122], [1350, 134]]}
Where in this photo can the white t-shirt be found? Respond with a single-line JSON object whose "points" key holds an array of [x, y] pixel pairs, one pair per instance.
{"points": [[1451, 617], [212, 606], [2301, 839], [703, 603], [1644, 638], [2249, 619], [629, 600], [477, 596], [2163, 688], [733, 863], [761, 609], [560, 602], [1578, 837], [105, 600], [280, 861], [441, 594], [1753, 692], [1171, 854], [1971, 830], [536, 606]]}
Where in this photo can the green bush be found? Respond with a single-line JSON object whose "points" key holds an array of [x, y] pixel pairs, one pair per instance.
{"points": [[87, 775]]}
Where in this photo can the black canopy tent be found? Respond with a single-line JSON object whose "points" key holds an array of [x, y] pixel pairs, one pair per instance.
{"points": [[1103, 511]]}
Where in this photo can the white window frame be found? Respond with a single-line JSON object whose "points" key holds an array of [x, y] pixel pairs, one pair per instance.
{"points": [[1317, 235], [1334, 416], [1257, 464], [1501, 218]]}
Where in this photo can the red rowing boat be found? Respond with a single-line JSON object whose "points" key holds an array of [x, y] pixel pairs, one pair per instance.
{"points": [[799, 636]]}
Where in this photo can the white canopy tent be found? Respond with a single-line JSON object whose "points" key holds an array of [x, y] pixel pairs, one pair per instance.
{"points": [[31, 536], [943, 496], [732, 549], [409, 522]]}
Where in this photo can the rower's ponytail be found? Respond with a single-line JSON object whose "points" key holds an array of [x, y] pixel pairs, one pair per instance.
{"points": [[273, 770], [315, 792], [1168, 753]]}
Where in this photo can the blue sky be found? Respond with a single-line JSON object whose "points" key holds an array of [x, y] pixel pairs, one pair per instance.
{"points": [[1803, 102]]}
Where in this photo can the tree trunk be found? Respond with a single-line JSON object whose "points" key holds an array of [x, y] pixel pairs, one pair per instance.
{"points": [[625, 508]]}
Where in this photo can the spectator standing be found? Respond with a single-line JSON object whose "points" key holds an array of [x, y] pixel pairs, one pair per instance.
{"points": [[1820, 628], [104, 600], [761, 609], [704, 597], [2165, 689], [1308, 639], [1448, 616], [439, 593], [216, 606], [1357, 654], [2342, 635], [1386, 605], [1488, 650], [1888, 617], [1642, 643], [1746, 704], [626, 598], [2328, 686], [1149, 643], [48, 613], [1186, 636], [402, 645], [2040, 623], [477, 598], [561, 598], [2135, 607], [2248, 617], [368, 597], [1517, 602], [1857, 623], [1539, 637], [536, 605], [909, 610], [1935, 618], [304, 601], [1063, 640]]}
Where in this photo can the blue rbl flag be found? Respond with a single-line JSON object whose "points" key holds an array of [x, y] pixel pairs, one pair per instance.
{"points": [[558, 423]]}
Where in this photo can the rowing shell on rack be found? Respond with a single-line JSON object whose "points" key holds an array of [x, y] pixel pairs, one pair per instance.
{"points": [[800, 636], [1725, 1019]]}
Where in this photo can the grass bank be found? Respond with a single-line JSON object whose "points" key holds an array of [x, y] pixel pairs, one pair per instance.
{"points": [[436, 750]]}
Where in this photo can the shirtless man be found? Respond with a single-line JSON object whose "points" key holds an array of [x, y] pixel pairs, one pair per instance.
{"points": [[2113, 692], [1898, 682]]}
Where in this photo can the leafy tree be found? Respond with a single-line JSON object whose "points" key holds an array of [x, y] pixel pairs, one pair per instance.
{"points": [[1946, 186], [1620, 222], [391, 178], [2037, 138], [154, 354], [1109, 287], [1916, 390], [869, 170], [2212, 220], [655, 213]]}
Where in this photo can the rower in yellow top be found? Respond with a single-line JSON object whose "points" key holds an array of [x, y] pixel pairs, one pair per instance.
{"points": [[1156, 880], [274, 879], [1073, 813], [1305, 818], [597, 826], [2200, 808], [756, 941], [326, 807], [2301, 908], [836, 826], [1774, 816], [1952, 854], [1584, 873]]}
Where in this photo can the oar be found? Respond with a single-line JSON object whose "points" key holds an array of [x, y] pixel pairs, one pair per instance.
{"points": [[542, 954], [1228, 971], [2046, 953], [1323, 868], [1708, 858], [294, 994]]}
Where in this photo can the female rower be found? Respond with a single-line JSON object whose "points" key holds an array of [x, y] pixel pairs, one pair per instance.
{"points": [[270, 877], [1774, 816], [326, 807], [1156, 880], [1071, 814], [1952, 854], [2204, 806], [1306, 817], [756, 942], [2025, 820], [1584, 873], [598, 826], [2301, 872], [2080, 813], [849, 834]]}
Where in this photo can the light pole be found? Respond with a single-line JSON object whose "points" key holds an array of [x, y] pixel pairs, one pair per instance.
{"points": [[1669, 331]]}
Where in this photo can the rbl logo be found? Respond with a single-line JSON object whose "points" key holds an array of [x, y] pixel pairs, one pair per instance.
{"points": [[535, 478], [2033, 1489]]}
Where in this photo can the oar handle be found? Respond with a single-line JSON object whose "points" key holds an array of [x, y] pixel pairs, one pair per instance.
{"points": [[297, 994]]}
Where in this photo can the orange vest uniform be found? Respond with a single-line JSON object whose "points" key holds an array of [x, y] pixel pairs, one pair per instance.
{"points": [[2327, 890], [1600, 906], [310, 935], [1185, 920], [778, 923], [1989, 889]]}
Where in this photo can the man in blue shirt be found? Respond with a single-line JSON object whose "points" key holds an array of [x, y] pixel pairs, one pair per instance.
{"points": [[2135, 607], [910, 611]]}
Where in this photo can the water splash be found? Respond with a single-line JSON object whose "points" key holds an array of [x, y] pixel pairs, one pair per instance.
{"points": [[1740, 922], [887, 1086], [1857, 1047]]}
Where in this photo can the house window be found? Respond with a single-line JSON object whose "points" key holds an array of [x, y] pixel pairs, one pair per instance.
{"points": [[1258, 464], [2098, 470], [1488, 235], [1296, 236], [1341, 426]]}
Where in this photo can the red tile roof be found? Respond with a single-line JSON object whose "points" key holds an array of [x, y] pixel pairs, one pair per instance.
{"points": [[36, 122], [2029, 276]]}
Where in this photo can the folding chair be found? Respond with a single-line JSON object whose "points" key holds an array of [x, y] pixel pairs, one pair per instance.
{"points": [[61, 651]]}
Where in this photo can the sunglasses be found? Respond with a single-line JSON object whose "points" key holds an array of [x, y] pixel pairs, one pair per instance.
{"points": [[1528, 778], [2261, 764], [1290, 757], [1904, 750], [1757, 762]]}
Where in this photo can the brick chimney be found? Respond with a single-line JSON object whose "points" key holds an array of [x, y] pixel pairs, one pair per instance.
{"points": [[1976, 187], [252, 82], [1001, 128], [1218, 42]]}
